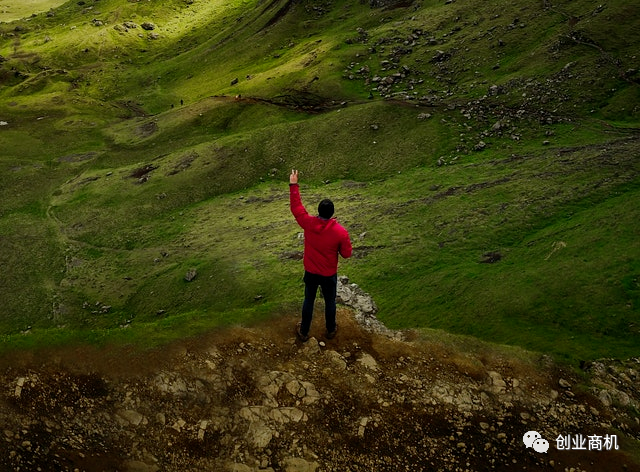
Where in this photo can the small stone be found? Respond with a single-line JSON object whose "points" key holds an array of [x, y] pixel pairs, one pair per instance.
{"points": [[130, 416], [480, 146], [498, 384], [178, 425], [368, 362], [564, 384], [337, 360], [259, 434], [621, 398], [19, 385], [311, 347]]}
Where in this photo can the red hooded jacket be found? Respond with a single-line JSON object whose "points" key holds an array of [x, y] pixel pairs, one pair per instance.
{"points": [[323, 239]]}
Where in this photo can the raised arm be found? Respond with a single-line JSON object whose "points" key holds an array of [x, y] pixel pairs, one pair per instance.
{"points": [[295, 202]]}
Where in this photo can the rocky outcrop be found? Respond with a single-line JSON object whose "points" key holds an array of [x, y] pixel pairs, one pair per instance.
{"points": [[351, 295], [257, 400], [616, 382]]}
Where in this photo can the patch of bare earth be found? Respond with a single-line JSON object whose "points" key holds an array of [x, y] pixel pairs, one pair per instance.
{"points": [[251, 399]]}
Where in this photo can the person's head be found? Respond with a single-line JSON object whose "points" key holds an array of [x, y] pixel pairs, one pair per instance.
{"points": [[325, 209]]}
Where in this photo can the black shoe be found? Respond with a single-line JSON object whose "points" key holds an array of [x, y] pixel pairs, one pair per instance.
{"points": [[332, 334], [301, 337]]}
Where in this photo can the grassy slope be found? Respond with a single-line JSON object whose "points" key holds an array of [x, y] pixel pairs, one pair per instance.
{"points": [[12, 10], [89, 106]]}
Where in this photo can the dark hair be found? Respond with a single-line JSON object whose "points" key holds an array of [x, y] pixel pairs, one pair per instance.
{"points": [[325, 209]]}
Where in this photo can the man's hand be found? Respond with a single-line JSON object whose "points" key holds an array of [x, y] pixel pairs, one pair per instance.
{"points": [[293, 178]]}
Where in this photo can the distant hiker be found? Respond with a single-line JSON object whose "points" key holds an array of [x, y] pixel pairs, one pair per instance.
{"points": [[324, 239]]}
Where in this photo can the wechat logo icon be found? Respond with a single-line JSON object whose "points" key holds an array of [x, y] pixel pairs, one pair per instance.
{"points": [[534, 440]]}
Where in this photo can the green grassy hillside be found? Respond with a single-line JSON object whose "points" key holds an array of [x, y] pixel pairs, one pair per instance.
{"points": [[483, 157]]}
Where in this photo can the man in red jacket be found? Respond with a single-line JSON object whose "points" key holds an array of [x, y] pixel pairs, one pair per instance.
{"points": [[324, 239]]}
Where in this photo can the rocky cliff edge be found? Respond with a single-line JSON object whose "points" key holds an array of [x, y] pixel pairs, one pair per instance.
{"points": [[255, 399]]}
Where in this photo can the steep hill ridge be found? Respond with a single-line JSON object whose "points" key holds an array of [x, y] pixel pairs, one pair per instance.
{"points": [[253, 399]]}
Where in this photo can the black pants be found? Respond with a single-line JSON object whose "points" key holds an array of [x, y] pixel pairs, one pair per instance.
{"points": [[329, 287]]}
